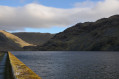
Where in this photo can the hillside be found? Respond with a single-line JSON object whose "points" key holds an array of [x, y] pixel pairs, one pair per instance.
{"points": [[34, 38], [9, 42], [102, 35]]}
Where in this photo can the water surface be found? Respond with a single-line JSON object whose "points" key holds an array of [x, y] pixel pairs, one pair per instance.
{"points": [[71, 64]]}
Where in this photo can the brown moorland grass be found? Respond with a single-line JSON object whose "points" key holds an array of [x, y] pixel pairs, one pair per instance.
{"points": [[15, 39]]}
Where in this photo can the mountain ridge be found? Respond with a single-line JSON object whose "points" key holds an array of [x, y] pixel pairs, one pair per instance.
{"points": [[101, 35]]}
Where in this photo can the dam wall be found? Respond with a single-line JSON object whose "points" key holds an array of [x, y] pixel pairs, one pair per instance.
{"points": [[19, 70]]}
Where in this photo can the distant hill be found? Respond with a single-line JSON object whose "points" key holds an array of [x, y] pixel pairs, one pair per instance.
{"points": [[9, 42], [34, 38], [89, 36]]}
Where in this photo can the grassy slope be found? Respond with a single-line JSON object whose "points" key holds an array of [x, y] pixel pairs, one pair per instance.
{"points": [[10, 42], [15, 39], [100, 35], [34, 38]]}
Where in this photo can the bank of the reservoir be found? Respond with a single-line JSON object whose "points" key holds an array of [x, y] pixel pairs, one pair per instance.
{"points": [[20, 70]]}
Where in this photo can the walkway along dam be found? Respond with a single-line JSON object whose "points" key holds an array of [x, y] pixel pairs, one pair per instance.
{"points": [[12, 68]]}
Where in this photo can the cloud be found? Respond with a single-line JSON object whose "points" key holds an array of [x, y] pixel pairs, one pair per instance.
{"points": [[86, 3], [39, 16]]}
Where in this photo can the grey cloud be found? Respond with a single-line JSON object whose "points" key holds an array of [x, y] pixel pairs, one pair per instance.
{"points": [[40, 16]]}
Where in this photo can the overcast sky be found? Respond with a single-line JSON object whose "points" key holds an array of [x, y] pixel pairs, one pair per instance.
{"points": [[52, 16]]}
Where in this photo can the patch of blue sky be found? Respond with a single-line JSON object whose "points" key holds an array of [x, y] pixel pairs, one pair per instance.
{"points": [[50, 3], [46, 30]]}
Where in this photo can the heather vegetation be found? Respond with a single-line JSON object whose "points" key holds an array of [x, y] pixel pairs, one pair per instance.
{"points": [[102, 35]]}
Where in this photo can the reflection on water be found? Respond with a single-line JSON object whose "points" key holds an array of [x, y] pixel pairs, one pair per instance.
{"points": [[71, 65]]}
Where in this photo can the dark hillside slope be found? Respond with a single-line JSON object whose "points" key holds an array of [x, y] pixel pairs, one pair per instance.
{"points": [[34, 38], [10, 42], [100, 35]]}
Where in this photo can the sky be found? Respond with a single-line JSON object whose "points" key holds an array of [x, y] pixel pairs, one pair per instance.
{"points": [[52, 16]]}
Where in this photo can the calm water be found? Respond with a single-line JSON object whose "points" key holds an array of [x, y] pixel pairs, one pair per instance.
{"points": [[71, 65]]}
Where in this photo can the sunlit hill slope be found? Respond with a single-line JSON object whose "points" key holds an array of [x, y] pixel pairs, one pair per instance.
{"points": [[9, 41]]}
